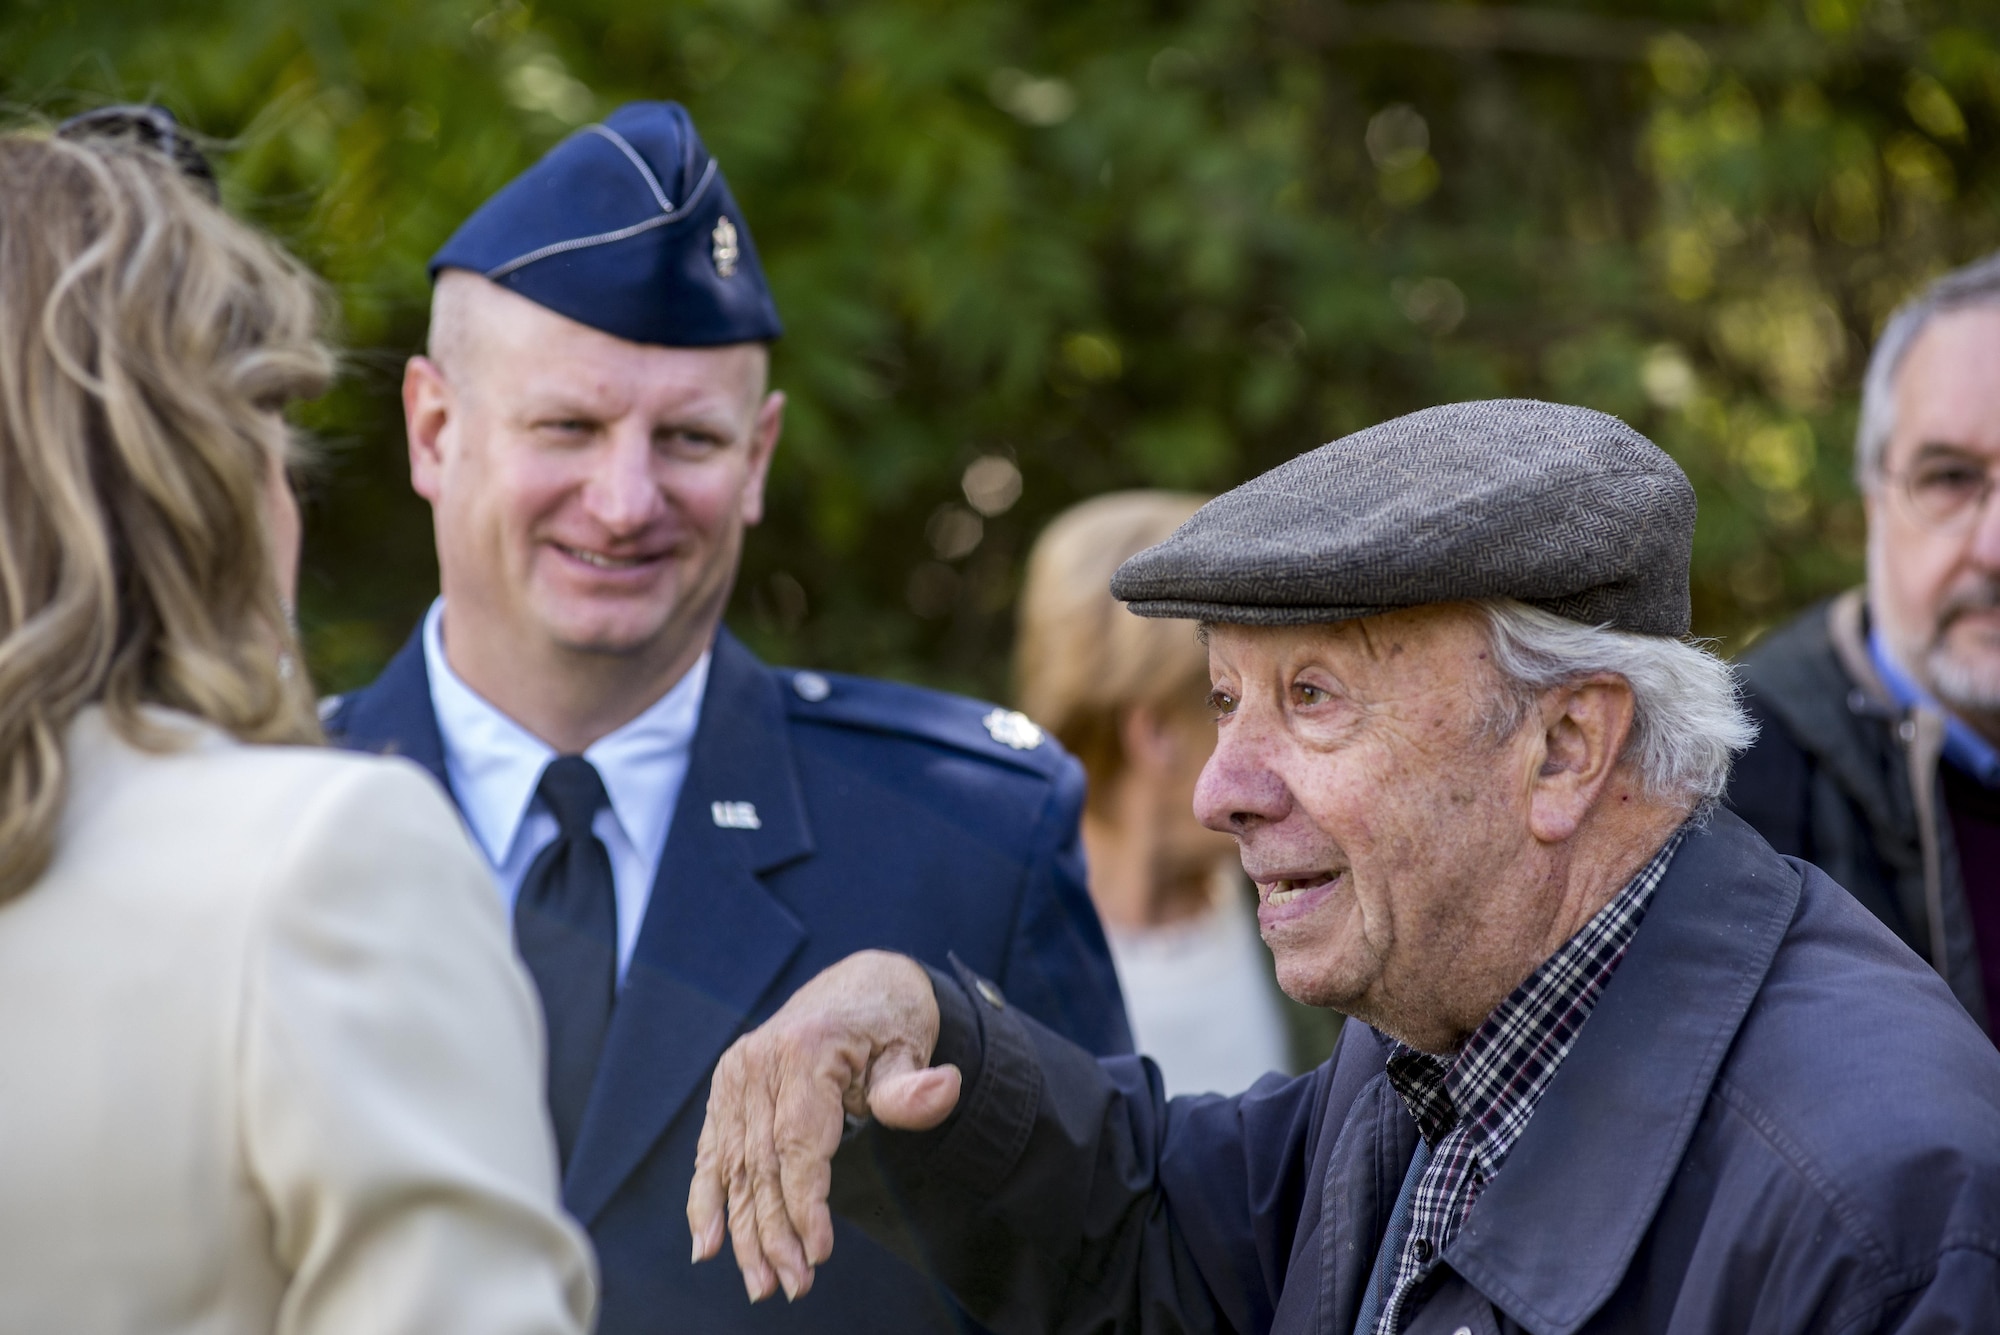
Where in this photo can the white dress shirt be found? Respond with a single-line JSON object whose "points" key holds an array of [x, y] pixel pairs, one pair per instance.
{"points": [[495, 764]]}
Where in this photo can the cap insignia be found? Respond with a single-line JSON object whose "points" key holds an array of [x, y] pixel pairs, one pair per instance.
{"points": [[1010, 727], [726, 251]]}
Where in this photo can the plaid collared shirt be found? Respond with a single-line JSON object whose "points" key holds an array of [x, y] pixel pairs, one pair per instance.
{"points": [[1471, 1108]]}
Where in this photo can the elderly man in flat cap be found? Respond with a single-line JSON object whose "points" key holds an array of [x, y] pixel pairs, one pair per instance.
{"points": [[684, 835], [1618, 1066]]}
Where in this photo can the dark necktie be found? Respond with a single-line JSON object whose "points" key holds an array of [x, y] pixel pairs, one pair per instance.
{"points": [[566, 927]]}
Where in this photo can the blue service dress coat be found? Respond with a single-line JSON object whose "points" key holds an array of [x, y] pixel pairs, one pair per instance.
{"points": [[888, 816], [1777, 1119]]}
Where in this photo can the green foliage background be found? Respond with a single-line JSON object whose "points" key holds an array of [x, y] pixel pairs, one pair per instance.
{"points": [[1122, 243]]}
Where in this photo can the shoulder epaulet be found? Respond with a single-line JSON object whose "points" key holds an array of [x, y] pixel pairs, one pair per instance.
{"points": [[976, 726]]}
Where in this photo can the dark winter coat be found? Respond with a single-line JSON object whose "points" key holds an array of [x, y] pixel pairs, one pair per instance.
{"points": [[1845, 778], [1776, 1119]]}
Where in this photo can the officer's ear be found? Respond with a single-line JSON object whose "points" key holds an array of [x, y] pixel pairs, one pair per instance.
{"points": [[763, 444], [427, 412]]}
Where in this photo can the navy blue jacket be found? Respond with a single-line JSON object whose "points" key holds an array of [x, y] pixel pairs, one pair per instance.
{"points": [[889, 818], [1776, 1120]]}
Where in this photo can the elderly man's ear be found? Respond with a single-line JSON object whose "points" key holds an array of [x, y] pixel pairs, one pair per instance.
{"points": [[1584, 727]]}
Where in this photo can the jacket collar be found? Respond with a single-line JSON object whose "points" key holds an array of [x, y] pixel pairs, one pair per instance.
{"points": [[393, 713], [1962, 746], [1551, 1238], [715, 938], [742, 747], [1924, 730], [1921, 727]]}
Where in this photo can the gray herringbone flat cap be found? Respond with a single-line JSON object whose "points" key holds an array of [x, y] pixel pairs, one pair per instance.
{"points": [[1562, 508]]}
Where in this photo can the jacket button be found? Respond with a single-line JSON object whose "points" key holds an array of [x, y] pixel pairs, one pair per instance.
{"points": [[1422, 1248], [1463, 1330], [812, 687]]}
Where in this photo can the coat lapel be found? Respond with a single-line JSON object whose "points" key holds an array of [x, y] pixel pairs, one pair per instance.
{"points": [[714, 938], [1368, 1160], [393, 714], [1551, 1238]]}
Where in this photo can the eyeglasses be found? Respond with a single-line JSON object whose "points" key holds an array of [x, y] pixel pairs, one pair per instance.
{"points": [[155, 128], [1945, 489]]}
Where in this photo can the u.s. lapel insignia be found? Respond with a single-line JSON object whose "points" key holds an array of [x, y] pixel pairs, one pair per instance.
{"points": [[1010, 727], [726, 251], [735, 815]]}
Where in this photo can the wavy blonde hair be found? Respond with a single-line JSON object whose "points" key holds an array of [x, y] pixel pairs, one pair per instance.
{"points": [[147, 341], [1081, 660]]}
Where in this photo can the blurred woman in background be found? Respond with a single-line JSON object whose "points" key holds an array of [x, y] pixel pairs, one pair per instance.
{"points": [[1127, 695], [266, 1060]]}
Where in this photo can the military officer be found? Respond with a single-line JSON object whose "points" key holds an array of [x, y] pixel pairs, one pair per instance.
{"points": [[683, 834]]}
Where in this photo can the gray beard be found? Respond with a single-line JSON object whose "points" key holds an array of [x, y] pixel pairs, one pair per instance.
{"points": [[1966, 680], [1966, 686]]}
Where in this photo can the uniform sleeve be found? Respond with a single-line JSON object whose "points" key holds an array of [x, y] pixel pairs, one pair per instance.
{"points": [[1058, 965], [1068, 1194], [391, 1082]]}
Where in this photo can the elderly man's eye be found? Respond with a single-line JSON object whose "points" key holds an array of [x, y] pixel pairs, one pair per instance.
{"points": [[1221, 704], [1308, 694], [1952, 481]]}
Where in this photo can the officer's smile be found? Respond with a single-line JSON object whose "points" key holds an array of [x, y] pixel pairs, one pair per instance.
{"points": [[601, 561]]}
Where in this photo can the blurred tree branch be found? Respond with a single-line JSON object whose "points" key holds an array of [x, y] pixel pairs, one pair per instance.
{"points": [[1530, 30]]}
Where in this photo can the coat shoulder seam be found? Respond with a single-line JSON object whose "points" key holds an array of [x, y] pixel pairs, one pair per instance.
{"points": [[1767, 1129]]}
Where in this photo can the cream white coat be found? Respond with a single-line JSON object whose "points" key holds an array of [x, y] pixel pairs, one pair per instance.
{"points": [[267, 1062]]}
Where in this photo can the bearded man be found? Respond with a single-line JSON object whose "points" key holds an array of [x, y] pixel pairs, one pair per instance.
{"points": [[1612, 1064], [1880, 711]]}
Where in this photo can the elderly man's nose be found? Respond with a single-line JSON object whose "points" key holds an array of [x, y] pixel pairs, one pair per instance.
{"points": [[1237, 787]]}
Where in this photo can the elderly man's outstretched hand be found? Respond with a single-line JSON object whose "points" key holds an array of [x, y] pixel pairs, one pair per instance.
{"points": [[855, 1040]]}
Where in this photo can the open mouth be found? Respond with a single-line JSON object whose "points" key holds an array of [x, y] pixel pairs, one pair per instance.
{"points": [[599, 561], [1295, 887]]}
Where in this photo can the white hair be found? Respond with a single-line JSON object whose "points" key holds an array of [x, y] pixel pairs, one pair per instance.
{"points": [[1687, 721], [1977, 284]]}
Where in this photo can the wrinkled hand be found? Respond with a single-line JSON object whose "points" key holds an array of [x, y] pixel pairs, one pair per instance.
{"points": [[856, 1039]]}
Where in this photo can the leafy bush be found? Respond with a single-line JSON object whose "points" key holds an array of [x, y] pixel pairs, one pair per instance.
{"points": [[1031, 251]]}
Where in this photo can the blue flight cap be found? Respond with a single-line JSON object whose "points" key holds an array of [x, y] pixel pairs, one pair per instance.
{"points": [[627, 227]]}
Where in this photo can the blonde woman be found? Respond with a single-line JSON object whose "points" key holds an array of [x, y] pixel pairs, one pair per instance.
{"points": [[266, 1061], [1126, 695]]}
